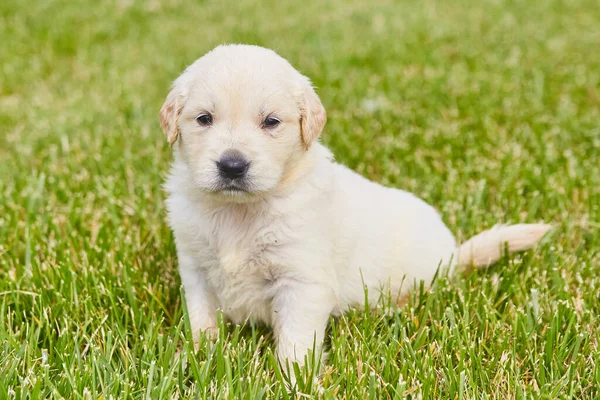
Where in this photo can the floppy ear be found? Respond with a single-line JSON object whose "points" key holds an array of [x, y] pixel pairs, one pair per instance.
{"points": [[312, 116], [169, 116]]}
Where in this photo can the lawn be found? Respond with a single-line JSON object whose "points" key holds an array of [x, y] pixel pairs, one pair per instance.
{"points": [[489, 110]]}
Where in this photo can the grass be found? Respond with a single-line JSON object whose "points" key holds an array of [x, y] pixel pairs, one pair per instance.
{"points": [[488, 109]]}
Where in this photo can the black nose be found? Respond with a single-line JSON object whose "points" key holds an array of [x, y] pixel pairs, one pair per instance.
{"points": [[232, 165]]}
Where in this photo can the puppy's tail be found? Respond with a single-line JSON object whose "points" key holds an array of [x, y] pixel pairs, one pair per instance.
{"points": [[487, 247]]}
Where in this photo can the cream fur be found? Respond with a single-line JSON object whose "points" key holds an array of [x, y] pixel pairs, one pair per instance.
{"points": [[309, 235]]}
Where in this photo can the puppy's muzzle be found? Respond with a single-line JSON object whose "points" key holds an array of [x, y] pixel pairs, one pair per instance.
{"points": [[233, 165]]}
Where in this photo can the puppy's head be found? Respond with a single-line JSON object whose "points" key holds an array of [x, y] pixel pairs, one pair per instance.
{"points": [[241, 117]]}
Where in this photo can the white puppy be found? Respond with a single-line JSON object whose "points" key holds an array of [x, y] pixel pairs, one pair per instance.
{"points": [[269, 228]]}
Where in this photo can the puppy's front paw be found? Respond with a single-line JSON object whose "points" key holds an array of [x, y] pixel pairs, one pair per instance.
{"points": [[203, 323], [291, 380], [211, 333]]}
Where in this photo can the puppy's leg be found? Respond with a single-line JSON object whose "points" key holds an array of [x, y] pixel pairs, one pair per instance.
{"points": [[199, 297], [300, 316]]}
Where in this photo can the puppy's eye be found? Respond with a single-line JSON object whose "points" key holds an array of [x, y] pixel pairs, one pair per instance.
{"points": [[271, 122], [204, 119]]}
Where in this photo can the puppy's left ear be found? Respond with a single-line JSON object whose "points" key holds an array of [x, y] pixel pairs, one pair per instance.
{"points": [[169, 116], [312, 115]]}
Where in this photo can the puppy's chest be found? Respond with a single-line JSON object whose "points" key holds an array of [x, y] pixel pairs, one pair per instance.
{"points": [[243, 265], [252, 252], [237, 254]]}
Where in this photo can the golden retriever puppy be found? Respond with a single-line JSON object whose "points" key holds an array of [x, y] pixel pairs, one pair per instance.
{"points": [[269, 228]]}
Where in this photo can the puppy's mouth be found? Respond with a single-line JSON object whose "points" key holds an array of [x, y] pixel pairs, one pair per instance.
{"points": [[233, 189], [232, 186]]}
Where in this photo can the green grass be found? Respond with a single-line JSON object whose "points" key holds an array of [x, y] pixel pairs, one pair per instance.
{"points": [[489, 110]]}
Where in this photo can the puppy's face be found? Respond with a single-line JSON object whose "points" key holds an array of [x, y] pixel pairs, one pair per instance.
{"points": [[242, 118]]}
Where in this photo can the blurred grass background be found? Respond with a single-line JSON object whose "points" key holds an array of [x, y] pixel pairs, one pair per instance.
{"points": [[488, 110]]}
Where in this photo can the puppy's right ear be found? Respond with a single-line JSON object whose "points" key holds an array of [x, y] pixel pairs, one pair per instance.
{"points": [[169, 116]]}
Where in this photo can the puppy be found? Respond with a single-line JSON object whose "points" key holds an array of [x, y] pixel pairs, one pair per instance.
{"points": [[269, 228]]}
